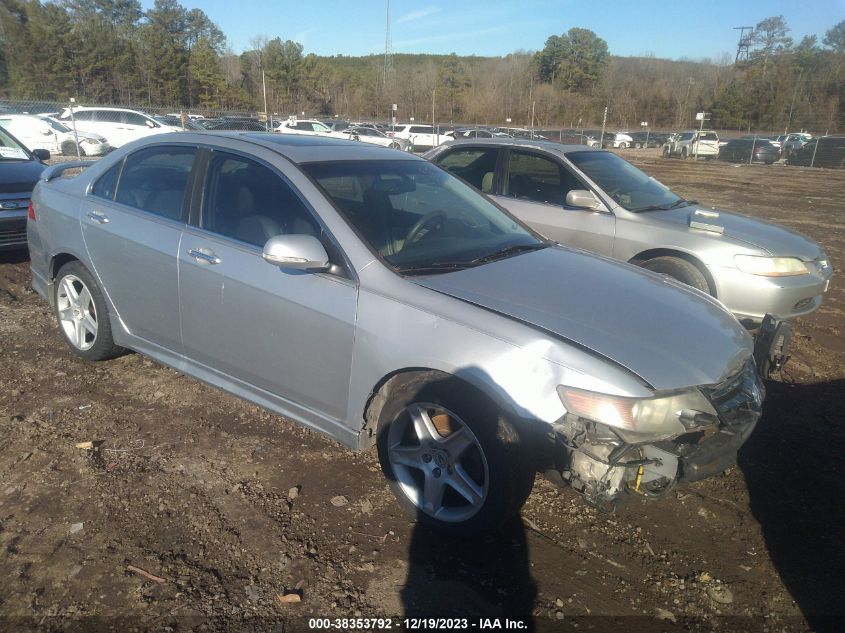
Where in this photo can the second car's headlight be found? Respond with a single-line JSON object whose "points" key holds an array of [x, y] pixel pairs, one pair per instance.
{"points": [[770, 266], [665, 415]]}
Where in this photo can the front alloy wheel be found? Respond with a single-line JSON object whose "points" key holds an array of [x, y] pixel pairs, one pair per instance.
{"points": [[77, 312], [438, 462]]}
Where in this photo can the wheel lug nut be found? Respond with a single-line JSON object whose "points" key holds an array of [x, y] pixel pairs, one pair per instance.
{"points": [[426, 457], [436, 472]]}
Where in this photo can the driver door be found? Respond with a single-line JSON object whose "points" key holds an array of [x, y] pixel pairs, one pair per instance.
{"points": [[534, 187]]}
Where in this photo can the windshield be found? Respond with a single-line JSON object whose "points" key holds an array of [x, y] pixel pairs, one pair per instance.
{"points": [[59, 127], [418, 217], [627, 185], [10, 149]]}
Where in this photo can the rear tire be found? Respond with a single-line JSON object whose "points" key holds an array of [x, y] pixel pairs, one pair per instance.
{"points": [[82, 313], [679, 269], [466, 443]]}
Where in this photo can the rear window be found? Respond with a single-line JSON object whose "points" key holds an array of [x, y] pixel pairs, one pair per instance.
{"points": [[422, 129]]}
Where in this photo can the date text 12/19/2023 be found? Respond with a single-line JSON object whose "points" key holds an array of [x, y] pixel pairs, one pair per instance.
{"points": [[417, 624]]}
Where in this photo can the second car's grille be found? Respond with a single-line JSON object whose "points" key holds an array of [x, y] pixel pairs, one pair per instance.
{"points": [[10, 237]]}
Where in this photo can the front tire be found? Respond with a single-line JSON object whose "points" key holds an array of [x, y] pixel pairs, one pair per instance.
{"points": [[68, 148], [453, 460], [679, 269], [82, 314]]}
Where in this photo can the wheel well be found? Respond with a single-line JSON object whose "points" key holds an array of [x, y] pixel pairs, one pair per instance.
{"points": [[381, 393], [58, 261], [666, 252]]}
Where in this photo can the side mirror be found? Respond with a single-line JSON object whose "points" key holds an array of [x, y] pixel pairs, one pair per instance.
{"points": [[583, 199], [151, 125], [41, 154], [47, 132], [296, 252]]}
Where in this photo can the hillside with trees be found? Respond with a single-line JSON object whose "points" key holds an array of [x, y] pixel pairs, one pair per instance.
{"points": [[112, 51]]}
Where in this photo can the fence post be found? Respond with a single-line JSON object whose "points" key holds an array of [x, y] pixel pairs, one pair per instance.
{"points": [[753, 145], [75, 134]]}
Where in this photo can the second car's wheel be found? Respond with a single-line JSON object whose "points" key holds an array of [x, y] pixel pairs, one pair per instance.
{"points": [[680, 269], [666, 152], [623, 145], [638, 145], [684, 153], [453, 460], [82, 314], [394, 145], [69, 148]]}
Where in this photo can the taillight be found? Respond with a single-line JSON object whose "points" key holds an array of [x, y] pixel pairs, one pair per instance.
{"points": [[30, 212]]}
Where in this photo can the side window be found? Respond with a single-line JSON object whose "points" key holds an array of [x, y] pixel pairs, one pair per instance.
{"points": [[107, 116], [106, 185], [304, 126], [422, 129], [132, 118], [537, 178], [155, 180], [85, 115], [247, 201], [476, 166]]}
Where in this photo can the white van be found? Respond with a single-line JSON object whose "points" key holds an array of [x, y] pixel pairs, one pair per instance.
{"points": [[117, 125]]}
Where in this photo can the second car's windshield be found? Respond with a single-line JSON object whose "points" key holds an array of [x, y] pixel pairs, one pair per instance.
{"points": [[418, 217], [10, 149], [631, 188]]}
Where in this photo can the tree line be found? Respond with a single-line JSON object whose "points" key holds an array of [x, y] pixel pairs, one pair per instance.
{"points": [[113, 51]]}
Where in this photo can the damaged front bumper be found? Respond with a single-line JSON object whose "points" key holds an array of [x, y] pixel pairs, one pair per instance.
{"points": [[604, 464]]}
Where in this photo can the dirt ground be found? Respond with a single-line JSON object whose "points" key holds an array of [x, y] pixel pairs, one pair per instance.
{"points": [[199, 510]]}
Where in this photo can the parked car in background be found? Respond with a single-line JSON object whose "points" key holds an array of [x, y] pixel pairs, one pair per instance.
{"points": [[243, 125], [482, 353], [617, 140], [793, 142], [640, 140], [422, 137], [371, 135], [176, 122], [745, 150], [116, 125], [20, 170], [308, 126], [694, 143], [37, 132], [825, 151], [598, 201]]}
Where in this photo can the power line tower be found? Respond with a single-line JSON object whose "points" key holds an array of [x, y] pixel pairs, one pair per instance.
{"points": [[742, 48], [388, 50]]}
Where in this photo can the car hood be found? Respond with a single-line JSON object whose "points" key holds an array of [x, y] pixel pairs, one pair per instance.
{"points": [[19, 176], [665, 333], [772, 238]]}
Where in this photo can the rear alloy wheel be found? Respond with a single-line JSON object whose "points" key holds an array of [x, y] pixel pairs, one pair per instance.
{"points": [[453, 462], [638, 145], [82, 314], [623, 145], [679, 269]]}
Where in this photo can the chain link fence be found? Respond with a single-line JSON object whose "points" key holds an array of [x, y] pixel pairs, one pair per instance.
{"points": [[71, 129]]}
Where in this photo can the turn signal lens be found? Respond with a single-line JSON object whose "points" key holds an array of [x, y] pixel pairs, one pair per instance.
{"points": [[30, 212]]}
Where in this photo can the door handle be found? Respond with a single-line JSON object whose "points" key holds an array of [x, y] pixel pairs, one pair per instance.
{"points": [[98, 216], [208, 258]]}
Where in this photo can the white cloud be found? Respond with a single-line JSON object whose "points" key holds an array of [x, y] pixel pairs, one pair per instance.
{"points": [[413, 16]]}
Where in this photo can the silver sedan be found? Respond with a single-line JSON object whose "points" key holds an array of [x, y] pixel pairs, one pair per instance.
{"points": [[597, 201], [371, 295]]}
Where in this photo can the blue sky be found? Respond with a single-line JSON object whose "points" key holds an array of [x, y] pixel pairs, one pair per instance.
{"points": [[665, 28]]}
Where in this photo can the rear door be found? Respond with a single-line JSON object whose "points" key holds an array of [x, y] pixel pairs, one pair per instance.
{"points": [[132, 222], [285, 332], [534, 186]]}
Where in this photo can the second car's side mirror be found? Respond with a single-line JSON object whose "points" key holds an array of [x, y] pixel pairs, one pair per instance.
{"points": [[296, 252], [41, 154], [583, 199]]}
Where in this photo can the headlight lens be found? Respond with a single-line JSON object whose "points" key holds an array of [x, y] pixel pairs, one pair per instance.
{"points": [[770, 266], [659, 415]]}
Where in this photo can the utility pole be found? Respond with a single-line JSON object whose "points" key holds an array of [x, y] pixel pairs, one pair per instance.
{"points": [[792, 103], [267, 122], [388, 50], [433, 118], [603, 123], [690, 81]]}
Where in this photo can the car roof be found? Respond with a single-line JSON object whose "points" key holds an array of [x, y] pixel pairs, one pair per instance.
{"points": [[298, 148], [526, 143]]}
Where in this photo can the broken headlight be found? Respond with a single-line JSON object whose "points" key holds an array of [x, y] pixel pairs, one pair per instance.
{"points": [[659, 416]]}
